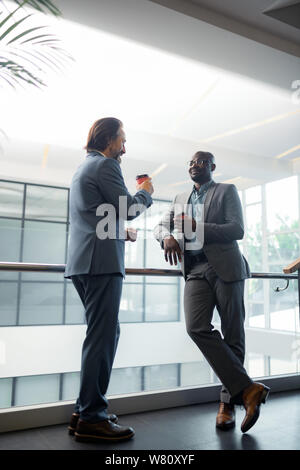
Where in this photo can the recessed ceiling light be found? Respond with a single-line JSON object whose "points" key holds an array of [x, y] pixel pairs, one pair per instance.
{"points": [[291, 150]]}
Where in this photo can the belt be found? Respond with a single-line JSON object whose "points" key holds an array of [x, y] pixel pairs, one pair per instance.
{"points": [[194, 259]]}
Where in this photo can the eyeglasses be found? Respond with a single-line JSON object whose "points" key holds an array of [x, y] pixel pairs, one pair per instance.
{"points": [[199, 162]]}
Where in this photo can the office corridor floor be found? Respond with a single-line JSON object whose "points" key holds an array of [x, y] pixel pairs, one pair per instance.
{"points": [[184, 428]]}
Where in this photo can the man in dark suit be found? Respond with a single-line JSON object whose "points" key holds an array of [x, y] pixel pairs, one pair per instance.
{"points": [[99, 204], [206, 224]]}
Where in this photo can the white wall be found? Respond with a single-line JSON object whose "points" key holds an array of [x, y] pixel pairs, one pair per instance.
{"points": [[33, 350]]}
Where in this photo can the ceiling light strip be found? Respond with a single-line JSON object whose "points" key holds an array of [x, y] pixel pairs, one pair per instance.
{"points": [[287, 152], [251, 126], [158, 170], [233, 180]]}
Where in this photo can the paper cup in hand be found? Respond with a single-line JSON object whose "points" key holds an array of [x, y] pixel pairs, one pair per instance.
{"points": [[141, 178]]}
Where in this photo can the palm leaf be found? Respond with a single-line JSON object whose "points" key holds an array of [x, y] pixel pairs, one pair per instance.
{"points": [[34, 53], [17, 72], [37, 37], [37, 55], [43, 6], [28, 31], [15, 25]]}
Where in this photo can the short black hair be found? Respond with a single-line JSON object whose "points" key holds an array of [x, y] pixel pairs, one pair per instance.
{"points": [[201, 153]]}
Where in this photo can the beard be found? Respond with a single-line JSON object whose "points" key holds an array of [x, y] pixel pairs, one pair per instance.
{"points": [[118, 155], [201, 177]]}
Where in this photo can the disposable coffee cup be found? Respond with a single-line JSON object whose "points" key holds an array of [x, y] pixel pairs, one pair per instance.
{"points": [[141, 178]]}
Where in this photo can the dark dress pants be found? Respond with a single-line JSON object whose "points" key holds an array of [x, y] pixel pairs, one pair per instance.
{"points": [[225, 353], [100, 295]]}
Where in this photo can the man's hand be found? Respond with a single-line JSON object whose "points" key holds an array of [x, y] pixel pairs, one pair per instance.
{"points": [[131, 234], [146, 185], [184, 224], [172, 250]]}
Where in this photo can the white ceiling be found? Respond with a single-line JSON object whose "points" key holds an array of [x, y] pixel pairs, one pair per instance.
{"points": [[249, 18], [178, 84]]}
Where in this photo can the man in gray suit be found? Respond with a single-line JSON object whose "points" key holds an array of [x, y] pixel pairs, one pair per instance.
{"points": [[206, 224], [96, 266]]}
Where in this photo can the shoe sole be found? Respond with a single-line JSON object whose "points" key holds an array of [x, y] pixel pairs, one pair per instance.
{"points": [[263, 399], [93, 438], [225, 427]]}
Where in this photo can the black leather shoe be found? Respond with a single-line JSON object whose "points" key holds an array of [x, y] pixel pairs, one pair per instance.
{"points": [[75, 417], [102, 431], [253, 397], [225, 417]]}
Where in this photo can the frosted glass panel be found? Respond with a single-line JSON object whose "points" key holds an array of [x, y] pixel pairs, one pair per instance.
{"points": [[8, 304], [44, 243], [194, 373], [46, 203], [127, 380], [162, 302], [37, 389], [71, 382], [10, 245], [41, 303], [6, 393], [161, 377], [11, 199], [134, 252], [132, 305], [75, 312]]}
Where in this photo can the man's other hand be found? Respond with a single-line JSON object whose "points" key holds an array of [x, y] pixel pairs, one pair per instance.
{"points": [[131, 235], [172, 250]]}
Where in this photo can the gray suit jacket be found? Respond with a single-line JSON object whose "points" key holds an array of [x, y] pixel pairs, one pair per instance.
{"points": [[98, 181], [222, 225]]}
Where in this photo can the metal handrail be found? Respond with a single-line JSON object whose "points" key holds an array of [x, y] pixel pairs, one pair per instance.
{"points": [[60, 268]]}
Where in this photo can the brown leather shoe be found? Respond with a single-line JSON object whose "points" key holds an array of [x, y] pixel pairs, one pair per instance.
{"points": [[253, 397], [225, 417], [75, 417], [102, 431]]}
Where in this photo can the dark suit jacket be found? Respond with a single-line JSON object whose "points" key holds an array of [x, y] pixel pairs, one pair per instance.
{"points": [[98, 181], [222, 226]]}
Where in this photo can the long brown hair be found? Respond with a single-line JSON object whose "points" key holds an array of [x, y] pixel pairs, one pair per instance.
{"points": [[102, 132]]}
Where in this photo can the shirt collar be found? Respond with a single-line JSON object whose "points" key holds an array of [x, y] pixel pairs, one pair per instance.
{"points": [[203, 188], [96, 151]]}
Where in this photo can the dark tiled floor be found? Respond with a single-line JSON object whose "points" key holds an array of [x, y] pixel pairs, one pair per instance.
{"points": [[184, 428]]}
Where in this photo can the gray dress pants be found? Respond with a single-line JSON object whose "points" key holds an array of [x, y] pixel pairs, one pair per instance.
{"points": [[100, 295], [225, 353]]}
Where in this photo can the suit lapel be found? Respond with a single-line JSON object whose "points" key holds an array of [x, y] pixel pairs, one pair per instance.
{"points": [[209, 195], [182, 199]]}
